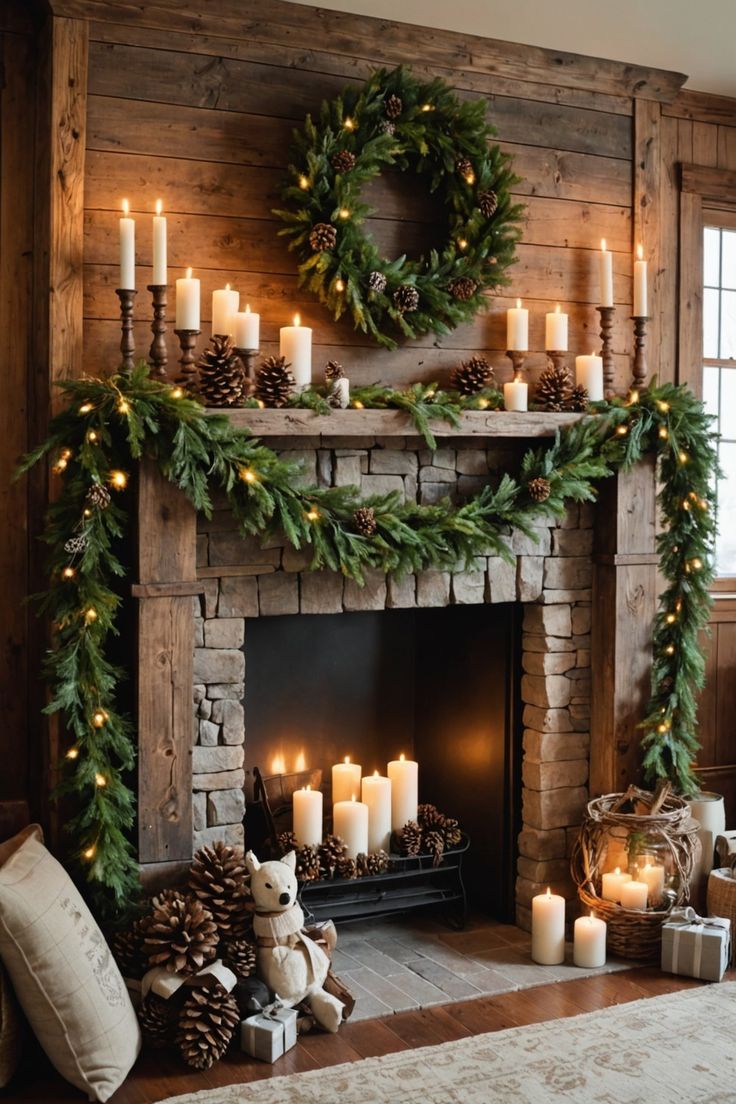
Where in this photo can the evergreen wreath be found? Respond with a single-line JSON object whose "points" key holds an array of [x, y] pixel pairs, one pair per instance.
{"points": [[109, 424], [397, 121]]}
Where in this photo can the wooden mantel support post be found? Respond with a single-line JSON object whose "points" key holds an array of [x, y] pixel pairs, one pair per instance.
{"points": [[625, 588], [165, 655]]}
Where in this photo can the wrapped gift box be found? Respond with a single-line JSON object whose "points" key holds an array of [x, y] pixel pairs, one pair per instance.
{"points": [[269, 1034], [695, 946]]}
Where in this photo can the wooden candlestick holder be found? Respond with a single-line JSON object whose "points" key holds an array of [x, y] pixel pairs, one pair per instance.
{"points": [[187, 360], [157, 353], [557, 357], [127, 341], [640, 359], [606, 335], [517, 359], [248, 360]]}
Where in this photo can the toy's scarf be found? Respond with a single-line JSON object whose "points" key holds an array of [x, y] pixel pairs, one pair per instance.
{"points": [[285, 929]]}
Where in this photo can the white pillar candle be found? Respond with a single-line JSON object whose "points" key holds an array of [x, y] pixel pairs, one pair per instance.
{"points": [[225, 303], [350, 823], [611, 884], [308, 817], [653, 875], [548, 928], [246, 329], [634, 895], [127, 250], [589, 374], [517, 327], [376, 794], [605, 268], [640, 284], [296, 346], [589, 947], [187, 302], [555, 331], [159, 247], [345, 780], [404, 775], [516, 395]]}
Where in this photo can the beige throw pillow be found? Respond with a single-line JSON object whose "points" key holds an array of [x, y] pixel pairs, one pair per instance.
{"points": [[62, 970]]}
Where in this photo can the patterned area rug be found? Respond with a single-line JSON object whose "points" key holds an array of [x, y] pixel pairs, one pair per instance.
{"points": [[677, 1047]]}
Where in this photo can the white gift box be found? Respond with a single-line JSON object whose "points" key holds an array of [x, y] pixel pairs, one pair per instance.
{"points": [[269, 1034], [695, 946]]}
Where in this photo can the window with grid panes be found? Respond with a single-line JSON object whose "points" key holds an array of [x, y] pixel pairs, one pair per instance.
{"points": [[719, 378]]}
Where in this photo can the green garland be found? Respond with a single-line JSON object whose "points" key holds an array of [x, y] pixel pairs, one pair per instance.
{"points": [[394, 120], [108, 424]]}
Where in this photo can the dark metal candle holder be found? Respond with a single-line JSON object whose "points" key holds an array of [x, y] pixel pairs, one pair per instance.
{"points": [[127, 341], [517, 359], [606, 335], [157, 353], [640, 360], [187, 360]]}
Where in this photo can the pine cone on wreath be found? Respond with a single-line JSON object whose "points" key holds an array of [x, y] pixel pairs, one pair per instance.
{"points": [[393, 106], [578, 400], [377, 282], [364, 520], [207, 1022], [554, 387], [434, 844], [539, 489], [346, 868], [331, 852], [221, 381], [472, 376], [411, 838], [343, 161], [452, 832], [76, 545], [323, 237], [464, 167], [488, 204], [374, 863], [181, 935], [463, 288], [127, 949], [274, 381], [406, 299], [219, 879], [430, 818], [158, 1018], [239, 955], [98, 497], [386, 127], [307, 864], [333, 371], [285, 842]]}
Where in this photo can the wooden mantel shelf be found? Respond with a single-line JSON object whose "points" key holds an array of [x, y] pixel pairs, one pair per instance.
{"points": [[393, 423]]}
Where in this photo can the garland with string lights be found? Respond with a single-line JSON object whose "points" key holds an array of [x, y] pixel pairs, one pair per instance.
{"points": [[396, 121], [108, 424]]}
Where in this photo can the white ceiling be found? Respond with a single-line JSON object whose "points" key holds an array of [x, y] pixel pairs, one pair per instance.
{"points": [[697, 37]]}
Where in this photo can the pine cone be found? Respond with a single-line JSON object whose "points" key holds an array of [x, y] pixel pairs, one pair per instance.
{"points": [[218, 878], [539, 489], [377, 282], [285, 842], [463, 288], [333, 371], [76, 545], [364, 520], [127, 949], [207, 1023], [430, 818], [347, 868], [472, 376], [330, 853], [393, 106], [464, 167], [98, 497], [406, 299], [554, 387], [239, 955], [307, 864], [374, 863], [411, 838], [434, 843], [578, 400], [452, 833], [488, 204], [386, 127], [274, 381], [181, 935], [158, 1018], [323, 237], [342, 162], [221, 374]]}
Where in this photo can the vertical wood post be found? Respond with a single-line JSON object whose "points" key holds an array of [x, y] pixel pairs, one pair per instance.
{"points": [[625, 586], [646, 212]]}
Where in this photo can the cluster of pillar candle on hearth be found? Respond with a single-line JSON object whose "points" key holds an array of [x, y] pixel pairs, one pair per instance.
{"points": [[366, 809]]}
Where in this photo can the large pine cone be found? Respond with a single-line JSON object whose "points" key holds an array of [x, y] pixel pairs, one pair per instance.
{"points": [[274, 381], [158, 1018], [347, 868], [463, 288], [472, 376], [207, 1022], [239, 955], [411, 838], [330, 853], [343, 161], [539, 489], [374, 863], [554, 387], [285, 842], [98, 496], [222, 379], [393, 106], [219, 879], [181, 935], [333, 371], [307, 864], [127, 948], [406, 299], [430, 818], [323, 237], [434, 843], [364, 520], [488, 203], [453, 835], [578, 400]]}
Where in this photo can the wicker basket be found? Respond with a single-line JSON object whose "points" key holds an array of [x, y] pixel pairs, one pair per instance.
{"points": [[633, 934], [722, 899]]}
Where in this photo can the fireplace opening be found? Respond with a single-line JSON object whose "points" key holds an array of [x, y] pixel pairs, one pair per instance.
{"points": [[439, 685]]}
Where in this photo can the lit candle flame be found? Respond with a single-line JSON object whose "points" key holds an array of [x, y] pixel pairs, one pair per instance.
{"points": [[307, 787], [353, 797], [557, 309], [402, 757], [189, 274], [297, 320], [227, 287], [603, 245], [126, 208], [159, 206], [375, 774], [640, 252], [518, 304], [617, 870], [347, 758], [549, 892], [247, 308]]}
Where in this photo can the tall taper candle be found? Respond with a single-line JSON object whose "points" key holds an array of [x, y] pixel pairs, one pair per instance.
{"points": [[555, 331], [159, 247], [308, 817], [640, 284], [345, 780], [548, 928], [296, 346], [187, 302], [376, 794], [225, 303], [127, 250], [605, 268], [517, 328], [404, 775]]}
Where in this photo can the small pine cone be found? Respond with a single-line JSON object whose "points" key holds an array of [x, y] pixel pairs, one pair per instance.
{"points": [[554, 387], [377, 282], [343, 161], [285, 842], [472, 376], [406, 299], [539, 489], [127, 948], [364, 520], [158, 1018], [386, 127], [181, 935], [434, 844], [453, 835], [488, 204], [221, 381], [98, 497], [331, 853], [464, 167], [76, 545], [207, 1023], [393, 106], [578, 401], [219, 879], [239, 955], [346, 868], [323, 237], [307, 864], [463, 288], [430, 817], [411, 838], [274, 381], [333, 371], [374, 863]]}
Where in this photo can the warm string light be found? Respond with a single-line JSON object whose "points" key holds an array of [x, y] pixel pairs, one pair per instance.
{"points": [[683, 457], [124, 407], [462, 244], [177, 393], [483, 403], [358, 405], [68, 573], [313, 515], [339, 284], [90, 615], [89, 854], [118, 480], [427, 107], [86, 408], [100, 780], [248, 475], [348, 123], [73, 753], [622, 430], [92, 436], [99, 718], [344, 213], [663, 432], [304, 183]]}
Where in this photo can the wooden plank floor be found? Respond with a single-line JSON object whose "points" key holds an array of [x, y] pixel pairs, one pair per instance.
{"points": [[158, 1075]]}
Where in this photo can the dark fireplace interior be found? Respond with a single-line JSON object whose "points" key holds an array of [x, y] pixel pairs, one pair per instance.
{"points": [[439, 685]]}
